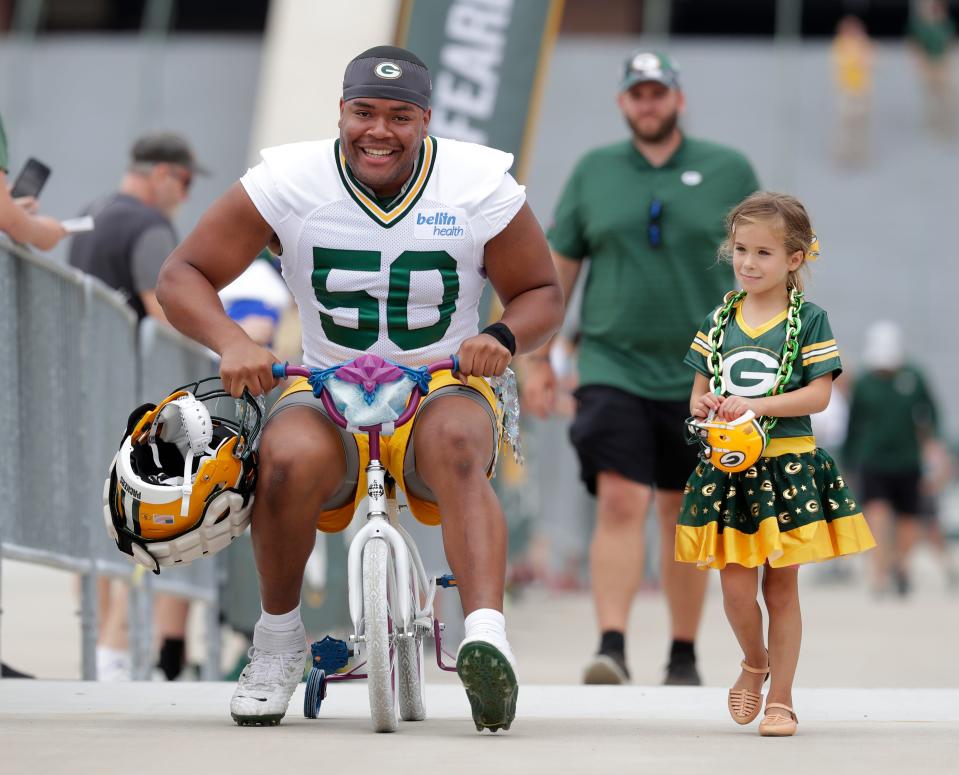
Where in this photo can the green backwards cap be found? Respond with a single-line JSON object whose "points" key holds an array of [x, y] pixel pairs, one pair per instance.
{"points": [[643, 66]]}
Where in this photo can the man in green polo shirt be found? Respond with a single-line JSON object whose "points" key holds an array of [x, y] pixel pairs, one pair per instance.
{"points": [[892, 415], [18, 217], [648, 212]]}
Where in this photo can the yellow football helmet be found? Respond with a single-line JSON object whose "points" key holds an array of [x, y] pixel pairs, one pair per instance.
{"points": [[181, 486], [730, 446]]}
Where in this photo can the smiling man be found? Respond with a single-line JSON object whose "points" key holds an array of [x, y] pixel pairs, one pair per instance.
{"points": [[388, 238]]}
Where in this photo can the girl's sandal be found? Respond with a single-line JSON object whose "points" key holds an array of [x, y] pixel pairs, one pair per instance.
{"points": [[778, 723], [743, 704]]}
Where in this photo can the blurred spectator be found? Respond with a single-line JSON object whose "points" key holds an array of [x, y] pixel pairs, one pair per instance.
{"points": [[18, 217], [133, 236], [852, 55], [931, 32], [134, 233], [938, 472], [561, 525], [259, 298], [891, 415], [829, 426]]}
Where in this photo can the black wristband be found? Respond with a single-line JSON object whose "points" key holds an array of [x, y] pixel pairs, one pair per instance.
{"points": [[501, 333]]}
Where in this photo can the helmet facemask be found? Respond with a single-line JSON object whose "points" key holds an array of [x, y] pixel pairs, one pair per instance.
{"points": [[182, 484]]}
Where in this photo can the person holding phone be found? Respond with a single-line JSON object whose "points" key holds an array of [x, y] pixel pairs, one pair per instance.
{"points": [[18, 215]]}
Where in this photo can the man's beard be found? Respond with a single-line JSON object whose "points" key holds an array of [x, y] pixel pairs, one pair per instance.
{"points": [[661, 133]]}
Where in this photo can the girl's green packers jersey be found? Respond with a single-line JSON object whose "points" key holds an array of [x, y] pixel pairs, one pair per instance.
{"points": [[751, 359]]}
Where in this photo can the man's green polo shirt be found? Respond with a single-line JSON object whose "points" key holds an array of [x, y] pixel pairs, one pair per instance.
{"points": [[642, 303], [889, 415]]}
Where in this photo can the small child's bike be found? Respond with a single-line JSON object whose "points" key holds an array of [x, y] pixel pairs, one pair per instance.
{"points": [[390, 595]]}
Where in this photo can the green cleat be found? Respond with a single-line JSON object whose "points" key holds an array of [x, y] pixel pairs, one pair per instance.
{"points": [[490, 685]]}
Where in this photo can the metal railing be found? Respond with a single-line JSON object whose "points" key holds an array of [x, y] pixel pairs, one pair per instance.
{"points": [[74, 364]]}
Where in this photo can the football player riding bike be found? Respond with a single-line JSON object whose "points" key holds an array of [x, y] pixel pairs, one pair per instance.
{"points": [[389, 236]]}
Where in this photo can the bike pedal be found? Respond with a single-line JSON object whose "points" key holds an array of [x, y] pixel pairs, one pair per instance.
{"points": [[330, 654], [449, 580]]}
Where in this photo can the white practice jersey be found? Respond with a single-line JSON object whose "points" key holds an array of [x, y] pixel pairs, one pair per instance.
{"points": [[403, 281]]}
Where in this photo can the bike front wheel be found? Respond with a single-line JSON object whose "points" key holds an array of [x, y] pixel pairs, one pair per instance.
{"points": [[380, 636]]}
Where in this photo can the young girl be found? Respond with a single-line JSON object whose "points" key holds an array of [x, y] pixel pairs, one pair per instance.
{"points": [[767, 350]]}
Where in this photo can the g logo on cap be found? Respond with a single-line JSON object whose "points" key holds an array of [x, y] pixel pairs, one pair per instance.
{"points": [[647, 63], [389, 70]]}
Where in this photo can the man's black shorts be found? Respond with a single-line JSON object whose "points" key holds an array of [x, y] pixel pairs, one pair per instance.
{"points": [[639, 438], [899, 490]]}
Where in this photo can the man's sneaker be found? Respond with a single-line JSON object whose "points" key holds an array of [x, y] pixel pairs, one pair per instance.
{"points": [[265, 687], [681, 671], [490, 683], [901, 581], [113, 664], [607, 667]]}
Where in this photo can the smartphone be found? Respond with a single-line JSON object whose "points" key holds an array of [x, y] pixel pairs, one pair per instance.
{"points": [[31, 179]]}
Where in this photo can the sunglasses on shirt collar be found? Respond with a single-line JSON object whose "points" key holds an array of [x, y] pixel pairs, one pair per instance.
{"points": [[654, 230]]}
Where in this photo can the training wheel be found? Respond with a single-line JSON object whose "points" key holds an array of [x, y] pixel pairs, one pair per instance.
{"points": [[315, 692]]}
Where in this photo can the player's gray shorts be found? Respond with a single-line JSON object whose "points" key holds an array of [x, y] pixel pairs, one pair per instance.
{"points": [[414, 482]]}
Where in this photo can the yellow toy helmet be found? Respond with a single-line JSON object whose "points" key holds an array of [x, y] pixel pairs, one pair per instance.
{"points": [[181, 486], [730, 446]]}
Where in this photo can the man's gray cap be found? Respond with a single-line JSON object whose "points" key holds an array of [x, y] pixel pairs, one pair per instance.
{"points": [[166, 147], [388, 73]]}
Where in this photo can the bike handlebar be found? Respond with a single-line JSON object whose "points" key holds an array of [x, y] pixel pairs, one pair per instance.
{"points": [[281, 370]]}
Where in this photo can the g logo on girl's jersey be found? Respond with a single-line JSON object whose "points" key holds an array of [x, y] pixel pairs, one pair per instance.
{"points": [[748, 380]]}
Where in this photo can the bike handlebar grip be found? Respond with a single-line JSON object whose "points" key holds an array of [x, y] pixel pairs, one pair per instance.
{"points": [[279, 370]]}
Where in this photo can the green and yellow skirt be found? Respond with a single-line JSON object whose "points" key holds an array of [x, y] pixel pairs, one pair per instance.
{"points": [[785, 510]]}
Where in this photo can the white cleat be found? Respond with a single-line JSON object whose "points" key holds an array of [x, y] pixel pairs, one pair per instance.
{"points": [[265, 687], [113, 665]]}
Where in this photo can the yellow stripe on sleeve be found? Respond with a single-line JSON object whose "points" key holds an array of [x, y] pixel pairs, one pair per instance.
{"points": [[695, 346], [819, 358]]}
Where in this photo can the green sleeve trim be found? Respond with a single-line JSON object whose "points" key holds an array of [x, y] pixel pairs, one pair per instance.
{"points": [[696, 361]]}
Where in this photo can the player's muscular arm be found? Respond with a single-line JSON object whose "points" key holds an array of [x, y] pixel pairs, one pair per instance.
{"points": [[539, 382], [567, 269], [519, 266], [224, 243]]}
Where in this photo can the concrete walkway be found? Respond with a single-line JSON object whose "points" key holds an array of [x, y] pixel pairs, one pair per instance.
{"points": [[897, 658], [73, 727]]}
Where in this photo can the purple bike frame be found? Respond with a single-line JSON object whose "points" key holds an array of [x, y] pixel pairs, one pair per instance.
{"points": [[374, 433], [373, 430]]}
